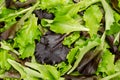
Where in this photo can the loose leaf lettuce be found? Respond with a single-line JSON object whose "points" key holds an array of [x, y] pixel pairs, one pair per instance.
{"points": [[66, 24], [71, 39], [116, 75], [6, 46], [115, 28], [9, 20], [66, 7], [48, 72], [106, 66], [109, 17], [84, 49], [50, 4], [11, 24], [93, 19], [63, 68], [4, 55], [71, 55], [65, 20], [26, 36], [119, 3], [25, 72]]}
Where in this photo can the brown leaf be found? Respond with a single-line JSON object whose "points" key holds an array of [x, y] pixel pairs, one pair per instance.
{"points": [[10, 33], [115, 5]]}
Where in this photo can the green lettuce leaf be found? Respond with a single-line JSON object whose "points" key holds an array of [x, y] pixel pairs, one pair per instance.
{"points": [[47, 71], [9, 20], [50, 4], [116, 75], [119, 3], [4, 55], [115, 27], [106, 66], [71, 38], [7, 46], [93, 19], [66, 24], [66, 7], [84, 49], [63, 68], [25, 39], [109, 17], [71, 55], [66, 15], [25, 72]]}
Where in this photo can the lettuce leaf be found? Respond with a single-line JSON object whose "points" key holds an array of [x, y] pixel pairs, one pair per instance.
{"points": [[106, 66], [93, 19], [4, 55], [65, 24], [109, 17], [71, 55], [48, 72], [25, 72], [25, 39], [66, 15], [116, 75], [71, 38], [89, 44]]}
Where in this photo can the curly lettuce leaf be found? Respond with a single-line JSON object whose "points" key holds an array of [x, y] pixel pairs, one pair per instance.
{"points": [[65, 15], [63, 68], [66, 24], [4, 55], [116, 75], [83, 50], [93, 19], [50, 4], [66, 7], [25, 39], [8, 20], [71, 38], [115, 28], [106, 66], [71, 55], [11, 25]]}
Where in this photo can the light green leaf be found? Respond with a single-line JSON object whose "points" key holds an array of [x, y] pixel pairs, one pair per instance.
{"points": [[50, 4], [71, 55], [109, 17], [87, 46], [63, 68], [4, 55], [65, 24], [25, 72], [106, 66], [48, 72], [26, 36], [18, 67], [7, 46], [93, 19], [71, 38], [119, 3]]}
